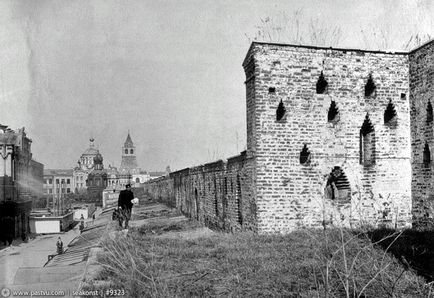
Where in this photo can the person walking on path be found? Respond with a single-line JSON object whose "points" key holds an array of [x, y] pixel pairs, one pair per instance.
{"points": [[59, 245], [124, 205], [81, 223]]}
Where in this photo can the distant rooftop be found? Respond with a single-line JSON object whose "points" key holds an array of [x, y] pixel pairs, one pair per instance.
{"points": [[58, 172], [157, 174]]}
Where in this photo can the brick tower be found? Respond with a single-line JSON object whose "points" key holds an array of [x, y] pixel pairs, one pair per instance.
{"points": [[129, 164]]}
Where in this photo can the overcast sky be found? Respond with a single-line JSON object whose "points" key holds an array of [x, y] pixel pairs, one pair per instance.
{"points": [[168, 71]]}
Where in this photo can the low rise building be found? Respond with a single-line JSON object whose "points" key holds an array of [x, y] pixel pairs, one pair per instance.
{"points": [[58, 181]]}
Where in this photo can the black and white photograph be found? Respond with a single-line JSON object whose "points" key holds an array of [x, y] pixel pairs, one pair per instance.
{"points": [[216, 148]]}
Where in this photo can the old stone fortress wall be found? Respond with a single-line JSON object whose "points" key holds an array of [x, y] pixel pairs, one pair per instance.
{"points": [[334, 137]]}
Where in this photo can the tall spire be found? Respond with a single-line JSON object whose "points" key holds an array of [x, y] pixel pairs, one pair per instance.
{"points": [[129, 161], [128, 142]]}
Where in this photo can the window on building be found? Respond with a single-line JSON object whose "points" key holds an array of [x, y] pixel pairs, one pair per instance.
{"points": [[280, 112], [305, 155], [390, 117], [131, 151], [50, 181], [63, 190], [426, 155], [137, 180], [63, 181], [57, 181], [321, 84], [333, 113], [429, 112], [338, 187], [370, 88], [367, 143], [271, 90], [126, 151], [68, 190], [68, 181]]}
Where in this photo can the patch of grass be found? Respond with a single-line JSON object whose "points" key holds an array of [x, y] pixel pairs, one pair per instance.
{"points": [[162, 226], [146, 214], [307, 263]]}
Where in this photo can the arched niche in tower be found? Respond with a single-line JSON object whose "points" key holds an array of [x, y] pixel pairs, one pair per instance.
{"points": [[280, 112], [321, 84], [370, 87], [333, 113], [338, 187], [429, 113], [367, 143], [305, 155], [426, 155], [390, 116]]}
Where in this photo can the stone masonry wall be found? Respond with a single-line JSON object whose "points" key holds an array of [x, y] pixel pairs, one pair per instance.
{"points": [[289, 194], [422, 93], [220, 195]]}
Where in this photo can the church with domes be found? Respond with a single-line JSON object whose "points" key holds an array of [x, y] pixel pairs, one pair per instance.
{"points": [[91, 174], [84, 166], [90, 179], [96, 179]]}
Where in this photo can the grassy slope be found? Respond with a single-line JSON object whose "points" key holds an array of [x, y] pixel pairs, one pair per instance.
{"points": [[160, 260]]}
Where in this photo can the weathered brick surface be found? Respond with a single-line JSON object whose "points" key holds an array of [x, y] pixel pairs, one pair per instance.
{"points": [[422, 92], [270, 188], [290, 195], [221, 194]]}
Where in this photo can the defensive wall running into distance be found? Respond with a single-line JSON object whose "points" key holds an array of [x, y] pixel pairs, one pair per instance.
{"points": [[219, 194]]}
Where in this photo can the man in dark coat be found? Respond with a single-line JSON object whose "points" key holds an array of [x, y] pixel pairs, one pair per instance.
{"points": [[125, 205]]}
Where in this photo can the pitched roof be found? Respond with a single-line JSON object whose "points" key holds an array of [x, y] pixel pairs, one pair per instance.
{"points": [[128, 142]]}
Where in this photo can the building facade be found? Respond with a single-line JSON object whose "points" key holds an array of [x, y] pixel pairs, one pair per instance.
{"points": [[18, 183], [334, 137], [58, 181]]}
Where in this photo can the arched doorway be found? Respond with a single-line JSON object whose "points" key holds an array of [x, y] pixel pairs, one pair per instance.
{"points": [[338, 187]]}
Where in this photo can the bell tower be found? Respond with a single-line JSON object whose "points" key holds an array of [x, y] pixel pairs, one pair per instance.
{"points": [[129, 161]]}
